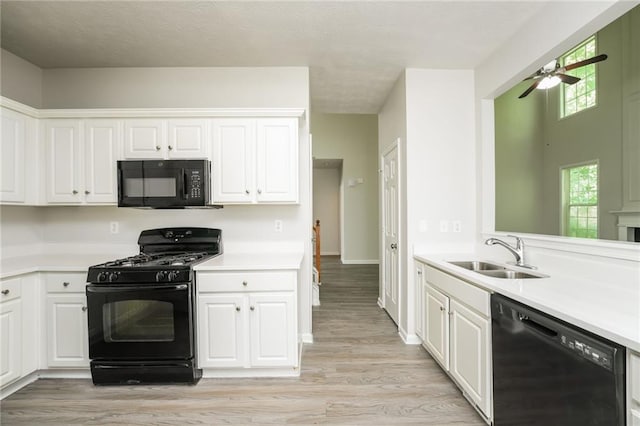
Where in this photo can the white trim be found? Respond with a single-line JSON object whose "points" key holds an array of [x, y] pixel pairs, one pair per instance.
{"points": [[208, 373], [18, 384], [409, 339], [306, 338], [360, 262], [150, 112], [329, 253]]}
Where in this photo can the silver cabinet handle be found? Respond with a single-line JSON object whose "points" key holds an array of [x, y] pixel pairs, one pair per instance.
{"points": [[84, 309], [66, 284], [74, 192], [5, 292], [253, 308], [157, 147], [419, 272], [259, 191], [394, 246], [170, 147], [238, 308], [244, 283], [246, 191], [87, 192], [441, 308]]}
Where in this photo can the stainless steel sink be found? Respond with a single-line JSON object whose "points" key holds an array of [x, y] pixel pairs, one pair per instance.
{"points": [[478, 266], [508, 274], [495, 271]]}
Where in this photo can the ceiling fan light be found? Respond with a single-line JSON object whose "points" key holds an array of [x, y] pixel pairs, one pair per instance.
{"points": [[548, 82]]}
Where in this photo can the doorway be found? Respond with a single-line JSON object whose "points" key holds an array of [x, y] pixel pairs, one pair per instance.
{"points": [[327, 207]]}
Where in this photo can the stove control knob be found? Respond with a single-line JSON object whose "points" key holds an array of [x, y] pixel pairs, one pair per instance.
{"points": [[160, 276], [172, 276], [102, 276], [114, 276]]}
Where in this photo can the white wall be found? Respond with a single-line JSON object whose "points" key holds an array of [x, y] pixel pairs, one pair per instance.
{"points": [[21, 230], [20, 80], [353, 138], [326, 207]]}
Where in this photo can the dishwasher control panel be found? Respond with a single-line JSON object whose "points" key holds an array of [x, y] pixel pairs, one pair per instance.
{"points": [[582, 348]]}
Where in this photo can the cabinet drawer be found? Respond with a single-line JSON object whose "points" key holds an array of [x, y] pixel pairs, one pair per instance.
{"points": [[10, 289], [472, 296], [66, 282], [245, 281]]}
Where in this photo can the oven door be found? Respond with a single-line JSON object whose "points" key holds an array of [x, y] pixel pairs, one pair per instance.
{"points": [[146, 321]]}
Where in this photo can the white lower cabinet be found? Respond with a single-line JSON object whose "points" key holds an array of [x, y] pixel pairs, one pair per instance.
{"points": [[10, 331], [419, 292], [633, 388], [66, 320], [247, 320], [457, 333]]}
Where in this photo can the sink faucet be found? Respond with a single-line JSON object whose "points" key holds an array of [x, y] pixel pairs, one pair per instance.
{"points": [[517, 251]]}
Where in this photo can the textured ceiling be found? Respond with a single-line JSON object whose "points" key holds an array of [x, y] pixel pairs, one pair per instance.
{"points": [[355, 50]]}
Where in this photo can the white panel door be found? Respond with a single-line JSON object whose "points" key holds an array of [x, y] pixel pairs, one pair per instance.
{"points": [[101, 146], [390, 218], [436, 325], [12, 166], [273, 330], [222, 330], [145, 138], [67, 331], [10, 341], [470, 335], [188, 138], [233, 160], [277, 160], [64, 161]]}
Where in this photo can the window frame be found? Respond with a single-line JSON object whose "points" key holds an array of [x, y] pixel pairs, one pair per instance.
{"points": [[562, 59], [564, 198]]}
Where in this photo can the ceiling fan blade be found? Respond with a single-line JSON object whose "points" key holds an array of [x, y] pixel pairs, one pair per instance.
{"points": [[530, 89], [569, 79], [585, 62]]}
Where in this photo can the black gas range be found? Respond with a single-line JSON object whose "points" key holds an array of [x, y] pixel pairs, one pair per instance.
{"points": [[141, 309]]}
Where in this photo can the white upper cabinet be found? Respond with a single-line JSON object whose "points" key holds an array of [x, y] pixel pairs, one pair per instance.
{"points": [[150, 138], [277, 160], [64, 161], [255, 160], [12, 176], [81, 159], [101, 145]]}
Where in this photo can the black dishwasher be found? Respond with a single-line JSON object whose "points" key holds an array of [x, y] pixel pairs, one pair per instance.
{"points": [[548, 372]]}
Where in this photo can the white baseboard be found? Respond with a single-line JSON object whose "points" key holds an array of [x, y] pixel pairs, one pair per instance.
{"points": [[329, 253], [360, 262], [410, 339], [306, 338], [380, 303]]}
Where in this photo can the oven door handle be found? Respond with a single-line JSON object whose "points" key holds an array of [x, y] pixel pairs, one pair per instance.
{"points": [[137, 288]]}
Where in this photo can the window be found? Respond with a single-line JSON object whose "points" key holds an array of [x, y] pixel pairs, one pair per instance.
{"points": [[582, 95], [580, 201]]}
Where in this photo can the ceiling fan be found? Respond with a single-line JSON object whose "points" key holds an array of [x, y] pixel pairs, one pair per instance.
{"points": [[552, 74]]}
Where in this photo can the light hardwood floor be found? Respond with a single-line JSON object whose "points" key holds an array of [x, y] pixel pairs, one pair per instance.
{"points": [[357, 372]]}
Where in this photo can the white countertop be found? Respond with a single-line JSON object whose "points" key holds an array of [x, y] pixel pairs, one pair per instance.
{"points": [[257, 261], [54, 263], [610, 311]]}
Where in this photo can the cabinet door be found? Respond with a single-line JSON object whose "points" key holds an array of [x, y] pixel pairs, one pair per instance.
{"points": [[64, 163], [101, 146], [273, 339], [470, 335], [10, 341], [233, 160], [188, 138], [436, 326], [67, 332], [145, 138], [12, 166], [419, 297], [277, 160], [222, 330]]}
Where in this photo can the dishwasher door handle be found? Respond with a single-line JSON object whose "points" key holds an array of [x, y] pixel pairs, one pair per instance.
{"points": [[528, 322]]}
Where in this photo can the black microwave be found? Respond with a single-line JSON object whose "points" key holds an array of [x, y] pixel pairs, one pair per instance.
{"points": [[164, 184]]}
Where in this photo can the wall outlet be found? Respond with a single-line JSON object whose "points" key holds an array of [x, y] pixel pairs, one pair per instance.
{"points": [[444, 226], [114, 227], [278, 226], [456, 226]]}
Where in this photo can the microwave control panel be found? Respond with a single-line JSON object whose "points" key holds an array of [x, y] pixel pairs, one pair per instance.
{"points": [[195, 184]]}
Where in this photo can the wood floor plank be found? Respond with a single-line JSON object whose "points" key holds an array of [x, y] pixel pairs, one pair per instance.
{"points": [[357, 372]]}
